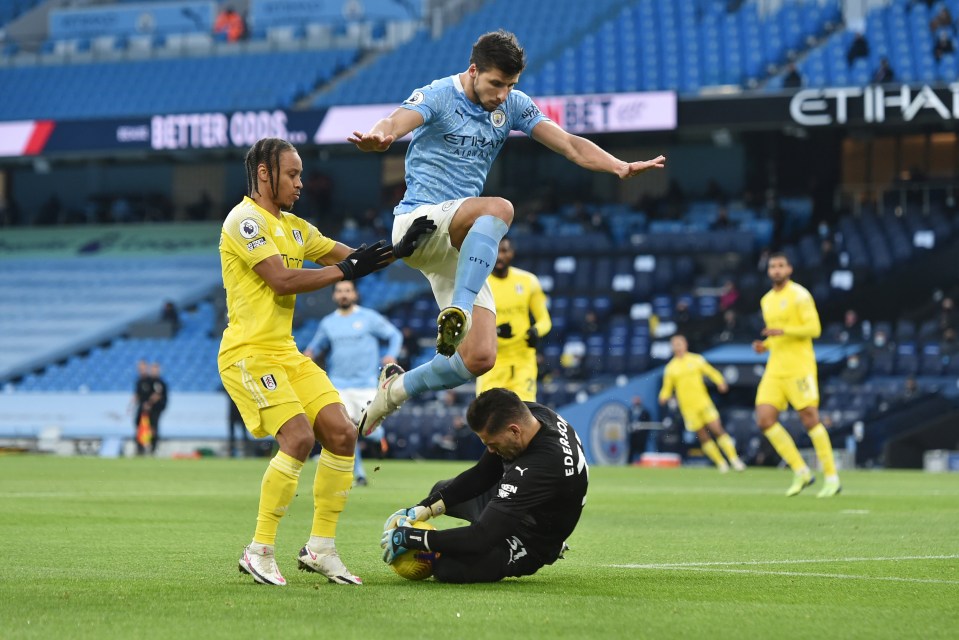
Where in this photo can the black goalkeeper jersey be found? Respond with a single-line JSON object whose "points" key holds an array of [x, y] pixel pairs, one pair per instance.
{"points": [[539, 496]]}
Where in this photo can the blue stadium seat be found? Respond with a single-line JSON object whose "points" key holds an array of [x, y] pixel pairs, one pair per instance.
{"points": [[907, 359]]}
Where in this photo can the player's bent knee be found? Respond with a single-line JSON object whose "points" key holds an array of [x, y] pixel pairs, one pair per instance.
{"points": [[297, 444], [503, 210], [479, 363], [340, 438]]}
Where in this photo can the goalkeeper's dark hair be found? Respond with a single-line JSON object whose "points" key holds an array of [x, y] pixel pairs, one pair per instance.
{"points": [[266, 151], [498, 50], [780, 255], [494, 409]]}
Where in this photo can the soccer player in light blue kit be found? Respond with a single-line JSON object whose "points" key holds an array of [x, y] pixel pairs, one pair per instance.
{"points": [[352, 337], [459, 125]]}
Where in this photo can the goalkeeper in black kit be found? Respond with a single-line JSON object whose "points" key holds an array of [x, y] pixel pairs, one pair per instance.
{"points": [[522, 499]]}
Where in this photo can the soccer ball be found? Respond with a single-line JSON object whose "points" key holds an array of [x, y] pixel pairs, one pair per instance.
{"points": [[415, 564]]}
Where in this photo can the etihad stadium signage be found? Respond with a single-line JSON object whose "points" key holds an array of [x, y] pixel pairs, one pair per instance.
{"points": [[870, 106], [873, 104], [583, 114], [240, 129]]}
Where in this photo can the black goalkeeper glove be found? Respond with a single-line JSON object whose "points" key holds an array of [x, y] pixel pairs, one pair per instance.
{"points": [[504, 330], [365, 260], [422, 226], [532, 337], [401, 539]]}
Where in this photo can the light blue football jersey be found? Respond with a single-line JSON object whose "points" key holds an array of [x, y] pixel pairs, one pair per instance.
{"points": [[353, 345], [452, 152]]}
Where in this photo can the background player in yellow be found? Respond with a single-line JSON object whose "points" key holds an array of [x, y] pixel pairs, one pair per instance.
{"points": [[278, 391], [791, 320], [518, 295], [684, 374]]}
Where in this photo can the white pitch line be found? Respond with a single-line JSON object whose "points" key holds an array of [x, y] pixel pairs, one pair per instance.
{"points": [[689, 565], [841, 576], [115, 494]]}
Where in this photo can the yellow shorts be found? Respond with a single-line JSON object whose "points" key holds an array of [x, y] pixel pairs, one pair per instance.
{"points": [[799, 393], [518, 374], [270, 389], [699, 417]]}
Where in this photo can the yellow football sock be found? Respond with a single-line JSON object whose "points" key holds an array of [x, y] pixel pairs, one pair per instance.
{"points": [[820, 440], [712, 452], [331, 488], [783, 444], [726, 444], [276, 494]]}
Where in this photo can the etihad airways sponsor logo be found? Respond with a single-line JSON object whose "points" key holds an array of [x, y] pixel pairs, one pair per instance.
{"points": [[838, 105]]}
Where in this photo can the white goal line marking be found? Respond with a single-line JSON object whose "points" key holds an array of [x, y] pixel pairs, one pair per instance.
{"points": [[682, 565], [721, 567], [841, 576]]}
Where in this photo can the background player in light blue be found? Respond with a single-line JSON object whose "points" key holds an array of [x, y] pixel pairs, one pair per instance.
{"points": [[459, 125], [352, 338]]}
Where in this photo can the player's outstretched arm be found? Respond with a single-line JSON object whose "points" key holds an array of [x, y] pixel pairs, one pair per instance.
{"points": [[355, 265], [589, 155], [286, 281], [386, 131]]}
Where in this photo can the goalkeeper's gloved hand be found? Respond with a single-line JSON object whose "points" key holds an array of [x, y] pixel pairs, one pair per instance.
{"points": [[532, 337], [430, 508], [422, 226], [504, 330], [401, 539], [365, 260]]}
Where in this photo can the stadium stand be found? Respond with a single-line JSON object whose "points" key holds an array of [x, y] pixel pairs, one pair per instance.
{"points": [[97, 298], [900, 31], [218, 83], [606, 47]]}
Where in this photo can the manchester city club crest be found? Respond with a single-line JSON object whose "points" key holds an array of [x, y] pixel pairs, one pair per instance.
{"points": [[249, 228], [269, 382], [498, 118], [607, 433]]}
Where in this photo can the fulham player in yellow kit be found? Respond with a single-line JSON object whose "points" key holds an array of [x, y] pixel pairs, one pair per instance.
{"points": [[792, 322], [518, 295], [684, 375], [279, 391]]}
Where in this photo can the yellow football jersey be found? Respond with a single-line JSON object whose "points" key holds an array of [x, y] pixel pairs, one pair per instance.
{"points": [[794, 311], [260, 321], [685, 376], [517, 296]]}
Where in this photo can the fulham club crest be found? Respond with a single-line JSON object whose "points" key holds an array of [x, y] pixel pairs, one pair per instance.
{"points": [[269, 382], [298, 237]]}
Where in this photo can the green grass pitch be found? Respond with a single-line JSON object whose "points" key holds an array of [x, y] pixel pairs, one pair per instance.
{"points": [[148, 549]]}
